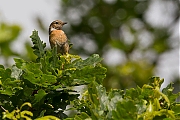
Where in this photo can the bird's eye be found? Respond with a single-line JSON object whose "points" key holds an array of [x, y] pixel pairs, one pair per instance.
{"points": [[56, 22]]}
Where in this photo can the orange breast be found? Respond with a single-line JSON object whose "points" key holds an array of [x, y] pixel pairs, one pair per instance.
{"points": [[57, 36]]}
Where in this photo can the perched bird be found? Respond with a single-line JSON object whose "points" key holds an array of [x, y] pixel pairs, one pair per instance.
{"points": [[57, 37]]}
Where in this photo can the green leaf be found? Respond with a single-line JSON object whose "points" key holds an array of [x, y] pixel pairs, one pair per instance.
{"points": [[26, 103], [27, 91], [88, 75], [82, 116], [122, 111], [8, 84], [81, 71], [114, 96], [132, 93], [49, 117], [156, 81], [25, 114], [39, 46], [39, 96], [169, 92], [176, 109], [11, 115], [42, 113], [33, 73], [18, 114], [93, 95], [1, 66], [54, 56], [19, 62], [4, 74], [91, 61]]}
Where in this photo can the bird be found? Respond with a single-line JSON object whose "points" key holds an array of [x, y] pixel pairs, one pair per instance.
{"points": [[58, 38]]}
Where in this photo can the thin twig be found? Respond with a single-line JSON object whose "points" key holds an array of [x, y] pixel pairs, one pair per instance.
{"points": [[3, 108]]}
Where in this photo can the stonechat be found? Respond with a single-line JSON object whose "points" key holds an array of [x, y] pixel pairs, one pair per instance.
{"points": [[57, 37]]}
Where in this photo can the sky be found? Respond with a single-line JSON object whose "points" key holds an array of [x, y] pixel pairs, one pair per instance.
{"points": [[24, 12]]}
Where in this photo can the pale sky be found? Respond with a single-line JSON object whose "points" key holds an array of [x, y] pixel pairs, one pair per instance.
{"points": [[24, 12]]}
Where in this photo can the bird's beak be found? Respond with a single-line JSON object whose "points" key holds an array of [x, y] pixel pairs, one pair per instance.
{"points": [[64, 23]]}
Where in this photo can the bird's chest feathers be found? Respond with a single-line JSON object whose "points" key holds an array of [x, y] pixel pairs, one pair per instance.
{"points": [[58, 35]]}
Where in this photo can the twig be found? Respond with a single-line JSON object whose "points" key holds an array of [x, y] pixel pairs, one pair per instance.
{"points": [[3, 108]]}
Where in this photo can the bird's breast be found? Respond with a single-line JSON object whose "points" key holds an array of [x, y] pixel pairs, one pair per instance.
{"points": [[57, 36]]}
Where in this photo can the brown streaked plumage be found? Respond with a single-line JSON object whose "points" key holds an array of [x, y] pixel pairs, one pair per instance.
{"points": [[58, 37]]}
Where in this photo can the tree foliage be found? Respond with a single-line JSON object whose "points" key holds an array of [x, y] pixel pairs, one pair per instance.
{"points": [[45, 90], [103, 26], [8, 34]]}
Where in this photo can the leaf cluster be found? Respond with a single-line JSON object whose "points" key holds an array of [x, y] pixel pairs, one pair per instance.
{"points": [[48, 83], [45, 89]]}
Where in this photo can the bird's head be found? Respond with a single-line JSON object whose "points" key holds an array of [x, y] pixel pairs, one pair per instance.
{"points": [[56, 25]]}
